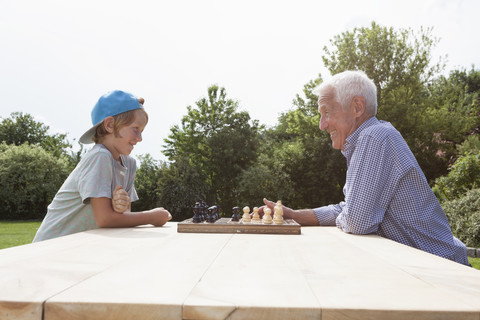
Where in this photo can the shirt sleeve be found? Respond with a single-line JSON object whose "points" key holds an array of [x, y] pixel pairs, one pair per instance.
{"points": [[328, 214], [95, 177], [369, 187]]}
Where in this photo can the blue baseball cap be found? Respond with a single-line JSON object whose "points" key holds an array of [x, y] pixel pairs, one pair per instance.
{"points": [[109, 105]]}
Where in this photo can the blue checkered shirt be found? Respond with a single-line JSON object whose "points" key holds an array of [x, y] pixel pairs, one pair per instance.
{"points": [[386, 193]]}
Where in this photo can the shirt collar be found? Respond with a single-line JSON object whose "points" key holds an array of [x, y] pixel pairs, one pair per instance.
{"points": [[351, 141]]}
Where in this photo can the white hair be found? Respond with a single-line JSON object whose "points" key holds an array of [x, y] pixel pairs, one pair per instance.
{"points": [[348, 84]]}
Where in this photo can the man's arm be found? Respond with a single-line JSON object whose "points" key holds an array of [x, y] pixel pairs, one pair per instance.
{"points": [[323, 216]]}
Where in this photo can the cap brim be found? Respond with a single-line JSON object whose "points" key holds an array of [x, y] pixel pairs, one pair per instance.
{"points": [[87, 137]]}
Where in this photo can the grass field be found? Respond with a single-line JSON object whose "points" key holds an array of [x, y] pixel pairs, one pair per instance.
{"points": [[16, 233]]}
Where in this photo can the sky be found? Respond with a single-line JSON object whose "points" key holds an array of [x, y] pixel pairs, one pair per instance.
{"points": [[57, 57]]}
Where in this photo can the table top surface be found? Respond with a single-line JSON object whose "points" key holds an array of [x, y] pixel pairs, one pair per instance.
{"points": [[158, 273]]}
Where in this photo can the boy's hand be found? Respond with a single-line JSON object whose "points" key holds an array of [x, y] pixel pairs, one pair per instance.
{"points": [[120, 200], [159, 216]]}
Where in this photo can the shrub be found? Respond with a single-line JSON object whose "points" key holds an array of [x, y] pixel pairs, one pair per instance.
{"points": [[464, 175], [464, 217], [29, 179]]}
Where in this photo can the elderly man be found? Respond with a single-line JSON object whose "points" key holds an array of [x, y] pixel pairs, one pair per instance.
{"points": [[386, 192]]}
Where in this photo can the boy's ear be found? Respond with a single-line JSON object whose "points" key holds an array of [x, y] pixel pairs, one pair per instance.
{"points": [[108, 124]]}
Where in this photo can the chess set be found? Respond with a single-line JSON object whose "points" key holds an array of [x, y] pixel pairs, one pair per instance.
{"points": [[207, 220]]}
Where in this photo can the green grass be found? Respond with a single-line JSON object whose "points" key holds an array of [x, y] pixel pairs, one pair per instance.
{"points": [[475, 262], [16, 233]]}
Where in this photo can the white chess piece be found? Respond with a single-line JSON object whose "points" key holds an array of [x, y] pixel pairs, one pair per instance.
{"points": [[267, 216], [278, 213], [246, 215], [256, 216]]}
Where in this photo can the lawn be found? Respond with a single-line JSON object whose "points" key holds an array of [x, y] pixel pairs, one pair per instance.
{"points": [[16, 233]]}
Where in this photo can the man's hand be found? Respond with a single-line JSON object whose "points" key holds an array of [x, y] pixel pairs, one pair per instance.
{"points": [[287, 212], [120, 200]]}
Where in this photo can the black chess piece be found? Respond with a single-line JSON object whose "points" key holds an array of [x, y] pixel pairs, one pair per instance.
{"points": [[196, 213], [235, 215], [203, 210], [212, 212]]}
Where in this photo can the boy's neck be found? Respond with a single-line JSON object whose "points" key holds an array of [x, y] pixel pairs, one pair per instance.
{"points": [[107, 143]]}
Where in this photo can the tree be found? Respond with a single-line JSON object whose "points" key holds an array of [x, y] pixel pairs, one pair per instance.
{"points": [[148, 183], [30, 178], [217, 140], [20, 128], [182, 184], [400, 64], [303, 169], [464, 175]]}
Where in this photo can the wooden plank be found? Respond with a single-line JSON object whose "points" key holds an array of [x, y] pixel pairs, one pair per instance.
{"points": [[31, 274], [226, 225], [254, 277], [153, 283], [353, 280], [448, 276]]}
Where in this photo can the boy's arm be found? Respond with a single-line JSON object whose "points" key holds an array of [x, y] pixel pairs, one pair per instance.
{"points": [[106, 217]]}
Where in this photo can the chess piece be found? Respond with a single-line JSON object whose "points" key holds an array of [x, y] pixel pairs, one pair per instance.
{"points": [[235, 215], [256, 216], [278, 213], [202, 210], [217, 212], [267, 216], [212, 212], [246, 215], [196, 213]]}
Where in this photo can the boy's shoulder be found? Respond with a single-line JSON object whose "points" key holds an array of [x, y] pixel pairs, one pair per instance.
{"points": [[97, 154]]}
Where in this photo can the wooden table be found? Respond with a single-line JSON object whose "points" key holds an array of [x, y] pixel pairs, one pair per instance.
{"points": [[157, 273]]}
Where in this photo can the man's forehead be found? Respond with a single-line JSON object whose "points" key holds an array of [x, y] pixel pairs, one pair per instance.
{"points": [[326, 96]]}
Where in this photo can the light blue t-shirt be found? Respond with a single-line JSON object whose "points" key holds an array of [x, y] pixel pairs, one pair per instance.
{"points": [[96, 176]]}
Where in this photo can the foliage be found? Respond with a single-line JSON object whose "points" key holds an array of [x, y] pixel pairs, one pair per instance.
{"points": [[470, 145], [148, 183], [16, 233], [464, 175], [183, 183], [464, 216], [297, 165], [218, 142], [458, 97], [30, 177], [20, 128]]}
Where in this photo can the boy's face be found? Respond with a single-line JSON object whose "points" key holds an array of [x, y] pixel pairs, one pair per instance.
{"points": [[129, 136]]}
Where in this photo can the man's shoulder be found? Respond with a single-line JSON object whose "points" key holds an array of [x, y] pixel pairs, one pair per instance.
{"points": [[380, 130]]}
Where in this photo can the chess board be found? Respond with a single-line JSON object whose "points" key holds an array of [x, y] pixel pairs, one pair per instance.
{"points": [[226, 225]]}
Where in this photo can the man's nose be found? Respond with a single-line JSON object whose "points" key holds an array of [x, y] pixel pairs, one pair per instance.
{"points": [[322, 124]]}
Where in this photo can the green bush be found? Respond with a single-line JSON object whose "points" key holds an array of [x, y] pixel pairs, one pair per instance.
{"points": [[464, 217], [464, 175], [29, 179]]}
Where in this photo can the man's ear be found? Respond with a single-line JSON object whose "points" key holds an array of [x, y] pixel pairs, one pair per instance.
{"points": [[358, 103], [108, 124]]}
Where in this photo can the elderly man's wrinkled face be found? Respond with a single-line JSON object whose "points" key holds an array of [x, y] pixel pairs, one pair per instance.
{"points": [[333, 118]]}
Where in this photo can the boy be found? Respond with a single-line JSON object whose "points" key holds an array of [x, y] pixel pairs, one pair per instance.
{"points": [[100, 189]]}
